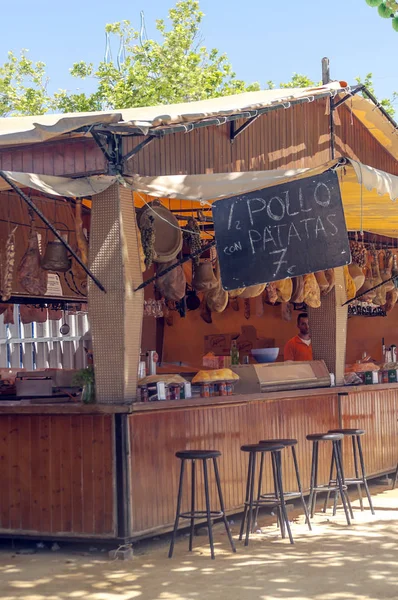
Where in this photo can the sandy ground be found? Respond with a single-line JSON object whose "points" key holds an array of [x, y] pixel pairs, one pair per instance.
{"points": [[334, 562]]}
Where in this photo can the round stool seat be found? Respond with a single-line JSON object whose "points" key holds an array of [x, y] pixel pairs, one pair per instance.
{"points": [[262, 448], [198, 454], [207, 459], [325, 437], [283, 442], [348, 431]]}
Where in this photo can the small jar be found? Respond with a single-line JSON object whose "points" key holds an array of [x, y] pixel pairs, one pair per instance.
{"points": [[144, 394], [205, 390], [173, 392], [222, 389]]}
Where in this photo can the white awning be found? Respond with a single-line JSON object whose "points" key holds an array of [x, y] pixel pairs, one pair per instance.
{"points": [[222, 185], [368, 194], [59, 186]]}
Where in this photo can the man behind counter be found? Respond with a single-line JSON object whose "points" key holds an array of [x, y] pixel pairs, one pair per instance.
{"points": [[299, 348]]}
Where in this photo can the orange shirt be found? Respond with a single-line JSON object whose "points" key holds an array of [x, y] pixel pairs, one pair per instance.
{"points": [[297, 350]]}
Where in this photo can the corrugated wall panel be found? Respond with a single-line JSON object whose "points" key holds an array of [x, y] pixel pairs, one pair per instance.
{"points": [[355, 141], [157, 435], [70, 157], [286, 138], [376, 412], [57, 475], [292, 137]]}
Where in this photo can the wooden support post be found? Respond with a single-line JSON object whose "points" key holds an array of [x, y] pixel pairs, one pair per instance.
{"points": [[115, 317], [328, 326], [325, 71]]}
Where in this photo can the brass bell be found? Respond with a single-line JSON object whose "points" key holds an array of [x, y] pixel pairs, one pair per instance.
{"points": [[56, 257]]}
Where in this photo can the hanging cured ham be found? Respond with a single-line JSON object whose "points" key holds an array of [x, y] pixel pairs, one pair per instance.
{"points": [[298, 290], [312, 293], [30, 275], [331, 279], [349, 284], [82, 247], [322, 282], [284, 289], [80, 237]]}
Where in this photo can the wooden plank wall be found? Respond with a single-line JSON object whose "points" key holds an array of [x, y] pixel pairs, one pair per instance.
{"points": [[296, 137], [376, 412], [157, 435], [355, 141], [286, 138], [57, 475], [67, 157]]}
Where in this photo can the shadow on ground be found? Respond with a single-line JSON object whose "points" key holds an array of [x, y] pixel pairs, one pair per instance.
{"points": [[333, 562]]}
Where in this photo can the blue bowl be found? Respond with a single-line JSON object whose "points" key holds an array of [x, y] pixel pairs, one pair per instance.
{"points": [[265, 355]]}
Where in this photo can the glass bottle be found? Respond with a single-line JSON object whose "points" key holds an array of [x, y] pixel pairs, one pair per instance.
{"points": [[234, 353]]}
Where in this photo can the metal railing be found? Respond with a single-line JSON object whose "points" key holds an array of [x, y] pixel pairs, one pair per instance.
{"points": [[41, 345]]}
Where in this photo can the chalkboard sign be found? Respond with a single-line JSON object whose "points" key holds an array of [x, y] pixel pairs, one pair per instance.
{"points": [[281, 231]]}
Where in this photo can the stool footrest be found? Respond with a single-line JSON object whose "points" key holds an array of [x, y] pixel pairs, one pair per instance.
{"points": [[271, 502], [351, 481], [290, 495], [329, 488], [201, 514]]}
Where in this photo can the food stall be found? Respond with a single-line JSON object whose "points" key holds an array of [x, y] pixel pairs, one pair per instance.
{"points": [[106, 470]]}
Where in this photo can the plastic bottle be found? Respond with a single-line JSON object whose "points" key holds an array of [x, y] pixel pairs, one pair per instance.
{"points": [[234, 354]]}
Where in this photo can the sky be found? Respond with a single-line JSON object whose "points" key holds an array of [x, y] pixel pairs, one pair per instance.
{"points": [[264, 39]]}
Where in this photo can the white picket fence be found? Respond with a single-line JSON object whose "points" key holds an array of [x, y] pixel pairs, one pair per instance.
{"points": [[41, 345]]}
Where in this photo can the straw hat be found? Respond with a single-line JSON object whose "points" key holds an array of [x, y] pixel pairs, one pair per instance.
{"points": [[168, 235]]}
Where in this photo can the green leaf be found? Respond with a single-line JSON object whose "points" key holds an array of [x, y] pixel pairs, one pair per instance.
{"points": [[384, 11]]}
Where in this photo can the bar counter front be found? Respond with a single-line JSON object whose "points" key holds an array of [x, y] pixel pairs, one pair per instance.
{"points": [[109, 472]]}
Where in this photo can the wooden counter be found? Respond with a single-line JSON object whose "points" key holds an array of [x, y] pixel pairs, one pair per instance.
{"points": [[155, 436], [57, 475], [69, 408], [73, 408], [109, 472], [159, 429]]}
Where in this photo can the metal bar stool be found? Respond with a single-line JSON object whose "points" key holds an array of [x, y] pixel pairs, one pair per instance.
{"points": [[204, 456], [339, 486], [287, 443], [360, 478], [278, 499]]}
